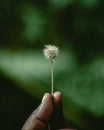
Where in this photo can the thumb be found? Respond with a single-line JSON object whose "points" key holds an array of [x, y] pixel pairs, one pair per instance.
{"points": [[38, 120]]}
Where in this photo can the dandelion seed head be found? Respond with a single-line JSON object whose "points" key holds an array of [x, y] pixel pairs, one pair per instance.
{"points": [[51, 51]]}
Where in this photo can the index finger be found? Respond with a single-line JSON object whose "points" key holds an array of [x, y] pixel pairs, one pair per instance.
{"points": [[38, 120]]}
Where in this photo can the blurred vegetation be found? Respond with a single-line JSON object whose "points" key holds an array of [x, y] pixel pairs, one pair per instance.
{"points": [[77, 27]]}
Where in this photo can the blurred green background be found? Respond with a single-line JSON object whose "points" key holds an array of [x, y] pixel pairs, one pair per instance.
{"points": [[77, 27]]}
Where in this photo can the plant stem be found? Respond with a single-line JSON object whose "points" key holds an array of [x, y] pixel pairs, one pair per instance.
{"points": [[52, 75], [49, 127]]}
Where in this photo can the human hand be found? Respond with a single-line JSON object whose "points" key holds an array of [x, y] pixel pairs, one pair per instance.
{"points": [[48, 116]]}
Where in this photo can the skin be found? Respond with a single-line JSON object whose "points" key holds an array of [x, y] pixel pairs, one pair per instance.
{"points": [[48, 114]]}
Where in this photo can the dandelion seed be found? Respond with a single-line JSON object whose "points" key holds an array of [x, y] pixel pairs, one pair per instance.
{"points": [[50, 52]]}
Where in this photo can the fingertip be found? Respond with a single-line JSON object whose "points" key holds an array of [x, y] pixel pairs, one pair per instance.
{"points": [[57, 99], [46, 96], [57, 94]]}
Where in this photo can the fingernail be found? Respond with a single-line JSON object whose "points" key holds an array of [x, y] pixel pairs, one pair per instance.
{"points": [[58, 93]]}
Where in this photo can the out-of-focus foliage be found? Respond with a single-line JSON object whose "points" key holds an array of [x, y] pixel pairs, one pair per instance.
{"points": [[77, 27]]}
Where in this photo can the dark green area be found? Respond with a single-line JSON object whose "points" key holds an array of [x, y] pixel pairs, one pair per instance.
{"points": [[77, 27]]}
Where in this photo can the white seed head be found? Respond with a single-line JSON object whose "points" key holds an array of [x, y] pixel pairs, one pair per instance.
{"points": [[51, 51]]}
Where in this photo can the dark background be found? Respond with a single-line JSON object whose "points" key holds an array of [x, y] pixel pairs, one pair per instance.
{"points": [[77, 28]]}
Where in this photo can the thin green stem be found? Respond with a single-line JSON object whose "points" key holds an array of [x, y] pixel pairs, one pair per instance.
{"points": [[52, 76], [49, 127]]}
